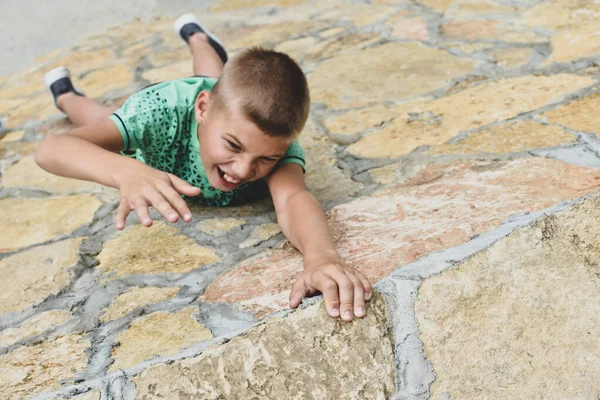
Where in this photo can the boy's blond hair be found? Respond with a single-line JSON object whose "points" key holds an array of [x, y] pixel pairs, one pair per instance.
{"points": [[268, 87]]}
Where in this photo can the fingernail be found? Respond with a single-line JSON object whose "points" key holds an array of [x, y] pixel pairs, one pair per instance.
{"points": [[335, 312], [187, 217], [173, 217], [360, 311], [367, 296], [348, 315]]}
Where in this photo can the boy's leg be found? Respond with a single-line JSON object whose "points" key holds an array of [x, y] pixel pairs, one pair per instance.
{"points": [[206, 60], [82, 110]]}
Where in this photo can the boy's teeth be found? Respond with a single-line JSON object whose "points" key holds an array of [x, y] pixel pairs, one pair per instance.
{"points": [[230, 179]]}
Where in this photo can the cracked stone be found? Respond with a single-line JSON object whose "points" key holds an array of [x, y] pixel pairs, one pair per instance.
{"points": [[100, 82], [171, 71], [260, 234], [441, 207], [410, 70], [360, 15], [159, 249], [297, 48], [91, 395], [510, 138], [32, 221], [135, 298], [422, 123], [219, 226], [12, 136], [35, 109], [36, 274], [514, 321], [277, 359], [30, 370], [33, 326], [231, 5], [158, 334], [511, 58], [466, 9], [489, 29], [562, 15], [274, 33], [579, 115], [82, 61], [341, 45]]}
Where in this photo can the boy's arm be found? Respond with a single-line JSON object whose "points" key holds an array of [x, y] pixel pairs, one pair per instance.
{"points": [[303, 223], [89, 153]]}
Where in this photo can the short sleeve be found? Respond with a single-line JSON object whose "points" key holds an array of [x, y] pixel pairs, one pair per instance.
{"points": [[294, 154], [139, 119]]}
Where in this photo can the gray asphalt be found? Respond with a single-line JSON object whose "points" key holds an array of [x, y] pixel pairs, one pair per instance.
{"points": [[31, 28]]}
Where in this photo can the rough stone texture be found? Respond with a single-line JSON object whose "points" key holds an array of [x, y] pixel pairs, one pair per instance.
{"points": [[360, 15], [428, 123], [441, 207], [91, 395], [26, 174], [33, 326], [562, 15], [341, 45], [160, 333], [229, 5], [578, 115], [219, 226], [32, 221], [135, 298], [305, 355], [408, 28], [509, 138], [273, 33], [583, 41], [12, 136], [30, 370], [354, 79], [36, 274], [172, 71], [488, 29], [102, 81], [511, 58], [515, 321], [260, 234], [155, 250]]}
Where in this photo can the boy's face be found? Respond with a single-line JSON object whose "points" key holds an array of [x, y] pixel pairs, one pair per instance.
{"points": [[233, 150]]}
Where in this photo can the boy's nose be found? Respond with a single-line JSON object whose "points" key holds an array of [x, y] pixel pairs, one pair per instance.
{"points": [[242, 170]]}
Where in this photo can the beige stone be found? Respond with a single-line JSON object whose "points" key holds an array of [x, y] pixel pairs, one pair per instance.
{"points": [[32, 221], [582, 41], [35, 109], [384, 175], [82, 61], [20, 91], [562, 15], [360, 15], [434, 122], [579, 115], [489, 29], [168, 72], [219, 226], [467, 48], [297, 48], [230, 5], [23, 149], [356, 78], [30, 370], [471, 9], [274, 33], [328, 33], [511, 58], [516, 320], [358, 121], [103, 81], [159, 249], [91, 395], [408, 28], [26, 174], [182, 54], [260, 234], [341, 45], [36, 274], [510, 138], [158, 334], [8, 105], [13, 136], [276, 361], [33, 326], [136, 298]]}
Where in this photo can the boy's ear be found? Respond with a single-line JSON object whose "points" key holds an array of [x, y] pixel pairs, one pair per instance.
{"points": [[201, 105]]}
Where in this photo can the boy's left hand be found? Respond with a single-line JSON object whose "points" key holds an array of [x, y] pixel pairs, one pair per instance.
{"points": [[344, 288]]}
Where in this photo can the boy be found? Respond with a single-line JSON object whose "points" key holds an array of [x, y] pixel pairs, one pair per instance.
{"points": [[223, 137]]}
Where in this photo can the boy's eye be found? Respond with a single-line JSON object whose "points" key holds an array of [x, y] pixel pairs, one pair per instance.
{"points": [[269, 159], [233, 145]]}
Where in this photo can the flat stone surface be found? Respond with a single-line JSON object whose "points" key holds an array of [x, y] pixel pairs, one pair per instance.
{"points": [[580, 42], [159, 249], [136, 298], [562, 15], [33, 326], [14, 136], [514, 321], [168, 72], [36, 274], [26, 174], [360, 15], [30, 370], [91, 395], [510, 138], [32, 221], [406, 27], [158, 334], [491, 30], [421, 123], [273, 33], [511, 58], [219, 226], [230, 5], [102, 81], [35, 109], [260, 234], [341, 45], [277, 360], [579, 115], [471, 9], [410, 70], [442, 207]]}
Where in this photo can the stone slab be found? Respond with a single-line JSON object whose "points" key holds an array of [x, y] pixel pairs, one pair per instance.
{"points": [[135, 298], [33, 326]]}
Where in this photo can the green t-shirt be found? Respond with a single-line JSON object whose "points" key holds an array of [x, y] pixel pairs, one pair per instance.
{"points": [[159, 124]]}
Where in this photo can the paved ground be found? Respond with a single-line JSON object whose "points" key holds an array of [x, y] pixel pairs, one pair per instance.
{"points": [[453, 145]]}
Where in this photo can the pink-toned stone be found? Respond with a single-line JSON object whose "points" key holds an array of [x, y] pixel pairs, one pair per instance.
{"points": [[411, 28], [443, 206]]}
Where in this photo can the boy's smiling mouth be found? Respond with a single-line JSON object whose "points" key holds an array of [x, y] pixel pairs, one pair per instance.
{"points": [[227, 180]]}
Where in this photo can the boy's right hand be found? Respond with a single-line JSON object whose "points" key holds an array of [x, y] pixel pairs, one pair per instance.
{"points": [[143, 186]]}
